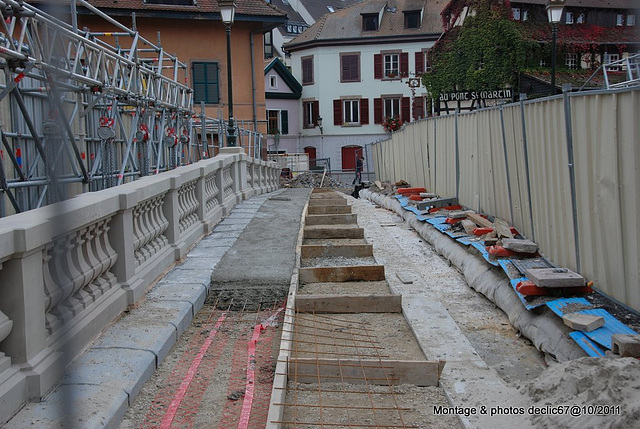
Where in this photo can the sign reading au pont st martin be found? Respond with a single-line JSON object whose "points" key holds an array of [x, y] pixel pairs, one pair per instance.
{"points": [[497, 94]]}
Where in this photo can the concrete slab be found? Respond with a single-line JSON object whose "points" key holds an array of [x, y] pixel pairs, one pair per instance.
{"points": [[225, 227], [120, 368], [555, 277], [583, 322], [212, 252], [195, 293], [74, 406], [145, 335], [217, 240], [226, 234], [205, 264], [178, 275]]}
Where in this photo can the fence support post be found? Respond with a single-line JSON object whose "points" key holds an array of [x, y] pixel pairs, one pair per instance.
{"points": [[506, 162], [566, 89], [523, 96]]}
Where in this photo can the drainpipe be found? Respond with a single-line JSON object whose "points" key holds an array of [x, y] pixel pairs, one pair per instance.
{"points": [[253, 84]]}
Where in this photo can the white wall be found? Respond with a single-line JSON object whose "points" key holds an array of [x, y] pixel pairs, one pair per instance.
{"points": [[327, 87]]}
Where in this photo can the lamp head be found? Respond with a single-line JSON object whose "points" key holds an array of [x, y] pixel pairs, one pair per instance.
{"points": [[554, 10], [227, 11]]}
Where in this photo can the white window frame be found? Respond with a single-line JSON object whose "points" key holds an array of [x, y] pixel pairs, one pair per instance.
{"points": [[351, 108], [273, 81], [525, 15], [278, 117], [631, 20], [516, 13], [581, 18], [568, 18], [308, 114], [571, 60], [389, 107], [388, 62], [611, 58], [619, 20]]}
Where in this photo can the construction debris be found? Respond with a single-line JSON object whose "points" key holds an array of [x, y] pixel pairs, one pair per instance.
{"points": [[313, 180]]}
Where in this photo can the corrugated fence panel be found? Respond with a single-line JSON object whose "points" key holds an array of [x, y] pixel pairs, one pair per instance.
{"points": [[517, 169], [551, 196], [469, 193], [605, 130], [445, 160], [607, 190]]}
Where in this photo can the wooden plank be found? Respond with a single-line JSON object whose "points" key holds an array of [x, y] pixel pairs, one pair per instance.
{"points": [[346, 250], [365, 371], [468, 226], [327, 202], [555, 277], [316, 210], [440, 202], [502, 228], [342, 274], [331, 219], [479, 220], [331, 303], [333, 233]]}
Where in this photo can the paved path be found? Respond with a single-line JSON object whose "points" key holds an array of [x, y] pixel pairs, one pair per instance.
{"points": [[254, 245]]}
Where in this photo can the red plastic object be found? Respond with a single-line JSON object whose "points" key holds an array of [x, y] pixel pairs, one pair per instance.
{"points": [[405, 191], [482, 231], [452, 221], [500, 252], [415, 197], [528, 288], [450, 208]]}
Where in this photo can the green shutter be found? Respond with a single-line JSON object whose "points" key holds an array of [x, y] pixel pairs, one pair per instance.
{"points": [[284, 119]]}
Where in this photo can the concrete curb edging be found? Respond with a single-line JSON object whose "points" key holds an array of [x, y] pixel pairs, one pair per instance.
{"points": [[547, 332], [278, 391]]}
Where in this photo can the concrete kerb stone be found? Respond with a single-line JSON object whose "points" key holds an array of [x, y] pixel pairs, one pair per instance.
{"points": [[547, 332], [70, 406]]}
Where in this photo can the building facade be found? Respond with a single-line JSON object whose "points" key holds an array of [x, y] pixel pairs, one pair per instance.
{"points": [[283, 94], [359, 68]]}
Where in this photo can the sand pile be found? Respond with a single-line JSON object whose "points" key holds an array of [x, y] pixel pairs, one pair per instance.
{"points": [[609, 387]]}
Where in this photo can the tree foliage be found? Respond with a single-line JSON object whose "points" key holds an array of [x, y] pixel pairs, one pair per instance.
{"points": [[485, 53]]}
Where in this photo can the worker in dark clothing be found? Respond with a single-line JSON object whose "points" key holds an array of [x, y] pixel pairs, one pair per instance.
{"points": [[359, 163]]}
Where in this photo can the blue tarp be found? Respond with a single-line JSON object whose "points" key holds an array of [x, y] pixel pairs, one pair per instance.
{"points": [[591, 348], [559, 305], [485, 253], [611, 326]]}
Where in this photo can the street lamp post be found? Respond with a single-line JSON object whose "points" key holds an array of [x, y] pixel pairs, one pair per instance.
{"points": [[319, 122], [554, 13], [228, 12]]}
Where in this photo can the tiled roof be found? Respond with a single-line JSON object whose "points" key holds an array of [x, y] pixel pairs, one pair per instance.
{"points": [[292, 15], [604, 4], [318, 8], [346, 24], [245, 7]]}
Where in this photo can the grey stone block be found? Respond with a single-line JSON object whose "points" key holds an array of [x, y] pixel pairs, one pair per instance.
{"points": [[193, 293], [120, 368], [147, 335], [519, 245], [583, 322], [555, 277], [76, 405], [626, 345]]}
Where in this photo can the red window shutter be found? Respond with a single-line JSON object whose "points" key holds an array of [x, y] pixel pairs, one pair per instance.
{"points": [[364, 111], [377, 110], [377, 66], [404, 64], [418, 108], [337, 112], [419, 62], [406, 109], [316, 112]]}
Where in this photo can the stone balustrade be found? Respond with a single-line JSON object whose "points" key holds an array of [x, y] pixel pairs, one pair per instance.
{"points": [[69, 269]]}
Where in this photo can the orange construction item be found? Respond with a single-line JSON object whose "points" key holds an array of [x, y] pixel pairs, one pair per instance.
{"points": [[482, 231], [452, 221], [528, 288], [500, 252], [405, 191], [450, 208], [415, 197]]}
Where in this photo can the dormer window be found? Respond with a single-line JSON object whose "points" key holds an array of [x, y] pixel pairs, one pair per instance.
{"points": [[412, 19], [370, 22]]}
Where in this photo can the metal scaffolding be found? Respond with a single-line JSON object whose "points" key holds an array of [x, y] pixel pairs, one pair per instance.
{"points": [[78, 114]]}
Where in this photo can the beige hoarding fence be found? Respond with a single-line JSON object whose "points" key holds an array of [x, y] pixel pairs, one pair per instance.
{"points": [[563, 170]]}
